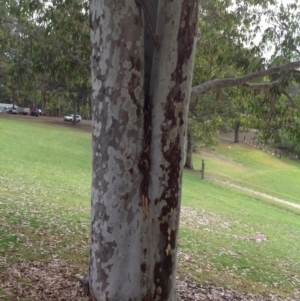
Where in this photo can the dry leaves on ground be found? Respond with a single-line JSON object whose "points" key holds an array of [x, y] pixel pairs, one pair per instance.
{"points": [[55, 280], [191, 291]]}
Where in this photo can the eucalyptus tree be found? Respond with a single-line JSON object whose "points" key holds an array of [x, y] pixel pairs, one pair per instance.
{"points": [[281, 37], [67, 31], [8, 41], [142, 60], [221, 53], [54, 37], [141, 87]]}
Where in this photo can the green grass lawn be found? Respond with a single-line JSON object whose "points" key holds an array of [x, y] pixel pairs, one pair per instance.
{"points": [[227, 237], [45, 176], [253, 168], [238, 239]]}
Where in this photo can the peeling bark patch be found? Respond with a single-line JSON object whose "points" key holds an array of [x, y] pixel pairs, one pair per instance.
{"points": [[143, 267], [148, 297], [134, 83], [161, 279], [144, 160], [186, 36]]}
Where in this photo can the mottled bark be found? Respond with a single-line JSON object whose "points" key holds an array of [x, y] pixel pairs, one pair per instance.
{"points": [[189, 150], [137, 165], [117, 236]]}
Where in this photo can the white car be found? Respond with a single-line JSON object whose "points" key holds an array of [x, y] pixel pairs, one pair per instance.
{"points": [[70, 118], [12, 110]]}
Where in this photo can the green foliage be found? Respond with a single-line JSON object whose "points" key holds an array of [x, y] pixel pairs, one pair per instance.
{"points": [[50, 55], [282, 34], [221, 53]]}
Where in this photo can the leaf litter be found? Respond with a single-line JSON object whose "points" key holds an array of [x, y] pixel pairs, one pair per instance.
{"points": [[35, 227], [56, 280], [211, 222]]}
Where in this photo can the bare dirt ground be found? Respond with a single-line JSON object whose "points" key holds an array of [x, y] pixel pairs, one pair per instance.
{"points": [[249, 136], [55, 280], [84, 125], [229, 136]]}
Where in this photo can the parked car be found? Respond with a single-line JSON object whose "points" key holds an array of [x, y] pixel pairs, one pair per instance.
{"points": [[12, 110], [34, 113], [70, 118], [40, 112]]}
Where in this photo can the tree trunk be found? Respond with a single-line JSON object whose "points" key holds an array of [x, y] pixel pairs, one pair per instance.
{"points": [[13, 98], [74, 111], [236, 131], [177, 24], [189, 150], [140, 105], [116, 263], [88, 108]]}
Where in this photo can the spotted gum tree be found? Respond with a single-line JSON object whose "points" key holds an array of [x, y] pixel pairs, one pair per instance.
{"points": [[142, 58]]}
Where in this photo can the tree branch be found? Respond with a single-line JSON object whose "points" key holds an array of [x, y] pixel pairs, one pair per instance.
{"points": [[233, 82], [289, 98], [77, 60], [276, 82]]}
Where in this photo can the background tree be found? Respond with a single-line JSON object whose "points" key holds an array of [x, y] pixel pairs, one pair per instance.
{"points": [[134, 231], [221, 53], [52, 48], [282, 32]]}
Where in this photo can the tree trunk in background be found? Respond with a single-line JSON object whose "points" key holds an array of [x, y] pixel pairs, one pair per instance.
{"points": [[189, 150], [88, 108], [236, 131], [13, 98], [139, 104], [74, 110]]}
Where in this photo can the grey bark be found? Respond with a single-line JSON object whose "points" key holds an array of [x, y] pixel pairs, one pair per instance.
{"points": [[117, 221], [140, 105]]}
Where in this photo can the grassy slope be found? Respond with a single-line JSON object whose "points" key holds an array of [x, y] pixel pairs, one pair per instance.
{"points": [[45, 176], [221, 230], [253, 168]]}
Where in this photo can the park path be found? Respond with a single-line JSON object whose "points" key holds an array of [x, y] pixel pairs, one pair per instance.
{"points": [[257, 193]]}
